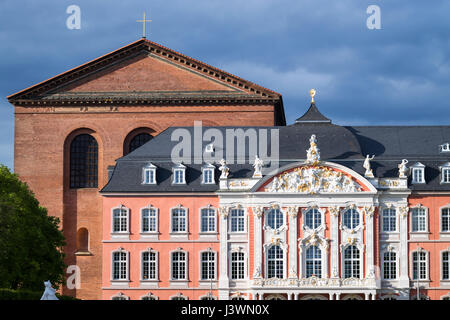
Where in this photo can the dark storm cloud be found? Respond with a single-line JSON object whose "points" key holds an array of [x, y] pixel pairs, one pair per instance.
{"points": [[397, 75]]}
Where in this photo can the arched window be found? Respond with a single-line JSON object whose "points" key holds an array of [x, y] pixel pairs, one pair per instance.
{"points": [[120, 265], [179, 265], [390, 265], [446, 265], [275, 262], [275, 218], [389, 220], [139, 140], [149, 265], [419, 220], [313, 262], [351, 262], [82, 240], [84, 162], [351, 218], [313, 219], [419, 259]]}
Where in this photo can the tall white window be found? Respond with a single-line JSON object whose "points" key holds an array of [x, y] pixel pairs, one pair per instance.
{"points": [[120, 265], [179, 220], [445, 265], [313, 262], [237, 265], [445, 220], [149, 220], [389, 220], [149, 265], [208, 220], [390, 265], [179, 265], [179, 174], [275, 218], [351, 262], [208, 264], [418, 220], [350, 218], [237, 220], [275, 267], [208, 174], [419, 265], [120, 220], [149, 174], [313, 218]]}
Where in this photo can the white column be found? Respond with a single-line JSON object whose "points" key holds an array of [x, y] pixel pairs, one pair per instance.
{"points": [[293, 247], [369, 240], [403, 217], [334, 246], [367, 296], [257, 220], [223, 258]]}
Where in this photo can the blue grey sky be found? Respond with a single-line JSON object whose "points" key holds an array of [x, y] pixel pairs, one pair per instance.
{"points": [[397, 75]]}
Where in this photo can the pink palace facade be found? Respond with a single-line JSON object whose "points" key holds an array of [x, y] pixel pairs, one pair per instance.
{"points": [[331, 222]]}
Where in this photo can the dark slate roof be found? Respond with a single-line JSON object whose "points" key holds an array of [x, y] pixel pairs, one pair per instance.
{"points": [[313, 115], [346, 145]]}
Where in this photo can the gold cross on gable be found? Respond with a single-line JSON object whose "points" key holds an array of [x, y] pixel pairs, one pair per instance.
{"points": [[143, 25]]}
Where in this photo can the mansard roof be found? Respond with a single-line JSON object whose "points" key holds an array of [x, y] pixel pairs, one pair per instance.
{"points": [[344, 145], [215, 86]]}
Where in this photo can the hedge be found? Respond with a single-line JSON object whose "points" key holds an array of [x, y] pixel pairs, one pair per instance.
{"points": [[9, 294]]}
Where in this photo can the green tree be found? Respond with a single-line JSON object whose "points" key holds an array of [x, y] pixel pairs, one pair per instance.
{"points": [[31, 242]]}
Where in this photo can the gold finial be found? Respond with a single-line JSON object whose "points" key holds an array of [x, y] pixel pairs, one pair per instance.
{"points": [[312, 93]]}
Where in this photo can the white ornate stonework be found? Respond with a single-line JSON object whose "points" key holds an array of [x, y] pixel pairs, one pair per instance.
{"points": [[313, 153], [224, 169], [312, 180], [366, 165], [403, 169], [257, 165]]}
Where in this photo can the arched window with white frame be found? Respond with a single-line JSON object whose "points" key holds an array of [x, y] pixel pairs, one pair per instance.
{"points": [[208, 220], [389, 220], [389, 265], [420, 265], [120, 296], [419, 219], [350, 218], [275, 262], [179, 220], [274, 218], [149, 220], [237, 220], [207, 265], [149, 296], [352, 263], [313, 218], [313, 262], [445, 255], [445, 219], [120, 220], [149, 265], [179, 267], [119, 265], [237, 265]]}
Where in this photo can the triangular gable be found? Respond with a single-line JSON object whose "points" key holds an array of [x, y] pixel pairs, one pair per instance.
{"points": [[143, 66]]}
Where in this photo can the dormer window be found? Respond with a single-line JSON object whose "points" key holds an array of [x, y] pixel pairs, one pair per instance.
{"points": [[418, 173], [149, 174], [179, 174], [445, 147], [208, 174], [445, 173]]}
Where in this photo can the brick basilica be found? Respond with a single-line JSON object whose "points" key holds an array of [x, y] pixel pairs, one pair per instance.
{"points": [[349, 212]]}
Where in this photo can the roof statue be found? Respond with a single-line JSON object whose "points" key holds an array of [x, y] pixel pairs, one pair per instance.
{"points": [[403, 169], [49, 292], [312, 93], [366, 165], [258, 166], [313, 153], [224, 169]]}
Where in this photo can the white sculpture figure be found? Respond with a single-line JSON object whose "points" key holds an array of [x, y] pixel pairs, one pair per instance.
{"points": [[257, 273], [403, 169], [224, 169], [49, 293], [313, 153], [258, 166], [366, 166]]}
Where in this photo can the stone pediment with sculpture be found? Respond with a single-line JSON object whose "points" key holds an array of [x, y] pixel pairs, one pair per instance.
{"points": [[314, 179]]}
